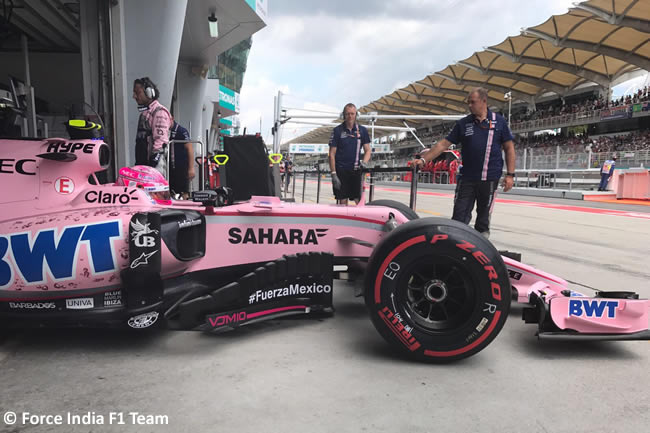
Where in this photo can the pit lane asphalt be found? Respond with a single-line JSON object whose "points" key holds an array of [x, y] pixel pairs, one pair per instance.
{"points": [[337, 374]]}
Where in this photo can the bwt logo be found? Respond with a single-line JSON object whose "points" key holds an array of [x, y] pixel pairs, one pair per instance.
{"points": [[227, 318], [54, 252], [592, 308]]}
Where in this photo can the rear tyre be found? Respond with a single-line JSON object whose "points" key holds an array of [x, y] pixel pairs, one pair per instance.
{"points": [[409, 213], [437, 290]]}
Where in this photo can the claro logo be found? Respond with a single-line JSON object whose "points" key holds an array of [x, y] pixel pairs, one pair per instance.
{"points": [[275, 236], [104, 197]]}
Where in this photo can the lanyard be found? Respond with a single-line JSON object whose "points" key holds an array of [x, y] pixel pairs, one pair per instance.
{"points": [[357, 155]]}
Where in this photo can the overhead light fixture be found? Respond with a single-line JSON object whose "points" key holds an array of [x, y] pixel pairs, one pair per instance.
{"points": [[214, 26]]}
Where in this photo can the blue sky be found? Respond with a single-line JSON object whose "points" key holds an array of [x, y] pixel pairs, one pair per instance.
{"points": [[327, 53]]}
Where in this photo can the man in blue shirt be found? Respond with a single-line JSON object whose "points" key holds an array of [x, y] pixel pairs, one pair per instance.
{"points": [[286, 172], [346, 143], [482, 135], [182, 161], [606, 172]]}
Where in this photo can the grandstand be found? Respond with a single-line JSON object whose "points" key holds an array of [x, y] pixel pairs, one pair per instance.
{"points": [[560, 76]]}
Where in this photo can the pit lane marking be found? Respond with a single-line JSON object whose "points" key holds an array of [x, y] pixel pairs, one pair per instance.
{"points": [[583, 209], [429, 212]]}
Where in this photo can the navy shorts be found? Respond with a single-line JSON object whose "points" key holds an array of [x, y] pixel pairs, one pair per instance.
{"points": [[350, 184], [178, 181]]}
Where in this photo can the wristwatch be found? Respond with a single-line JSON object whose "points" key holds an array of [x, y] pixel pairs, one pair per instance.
{"points": [[510, 174]]}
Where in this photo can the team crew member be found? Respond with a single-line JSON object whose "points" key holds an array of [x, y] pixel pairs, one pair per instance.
{"points": [[346, 143], [287, 172], [182, 170], [481, 135], [606, 172], [153, 125]]}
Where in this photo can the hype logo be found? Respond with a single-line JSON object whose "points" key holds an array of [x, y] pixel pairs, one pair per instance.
{"points": [[56, 254]]}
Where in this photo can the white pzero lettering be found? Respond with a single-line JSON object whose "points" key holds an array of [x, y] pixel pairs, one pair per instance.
{"points": [[490, 307], [391, 270], [292, 290]]}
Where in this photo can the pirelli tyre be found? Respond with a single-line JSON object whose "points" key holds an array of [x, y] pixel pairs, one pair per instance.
{"points": [[404, 209], [437, 290]]}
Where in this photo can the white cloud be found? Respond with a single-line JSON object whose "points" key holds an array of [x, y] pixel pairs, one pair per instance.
{"points": [[339, 51], [631, 86], [256, 98], [300, 126]]}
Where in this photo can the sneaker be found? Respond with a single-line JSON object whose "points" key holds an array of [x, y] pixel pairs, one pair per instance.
{"points": [[486, 234]]}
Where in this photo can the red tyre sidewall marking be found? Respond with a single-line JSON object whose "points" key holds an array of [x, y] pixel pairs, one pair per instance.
{"points": [[476, 342], [405, 337], [401, 247], [479, 256]]}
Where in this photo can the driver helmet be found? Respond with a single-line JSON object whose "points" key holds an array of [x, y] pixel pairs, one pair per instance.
{"points": [[147, 178]]}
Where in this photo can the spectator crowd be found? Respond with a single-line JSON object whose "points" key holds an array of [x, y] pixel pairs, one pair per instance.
{"points": [[546, 143], [586, 105]]}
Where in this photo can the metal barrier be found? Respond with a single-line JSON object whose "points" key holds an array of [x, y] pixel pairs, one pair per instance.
{"points": [[372, 179], [284, 188], [625, 158], [168, 153], [305, 174], [557, 179], [566, 158], [572, 180]]}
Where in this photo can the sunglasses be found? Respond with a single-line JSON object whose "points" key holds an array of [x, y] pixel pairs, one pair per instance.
{"points": [[489, 125]]}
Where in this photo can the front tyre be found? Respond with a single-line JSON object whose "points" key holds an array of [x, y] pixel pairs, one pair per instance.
{"points": [[409, 213], [437, 290]]}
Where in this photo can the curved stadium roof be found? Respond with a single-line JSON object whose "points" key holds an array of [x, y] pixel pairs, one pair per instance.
{"points": [[595, 42]]}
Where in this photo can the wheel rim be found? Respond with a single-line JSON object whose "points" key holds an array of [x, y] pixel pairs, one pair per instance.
{"points": [[440, 296]]}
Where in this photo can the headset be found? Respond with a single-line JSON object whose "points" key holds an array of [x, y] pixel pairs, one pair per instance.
{"points": [[349, 104], [150, 89]]}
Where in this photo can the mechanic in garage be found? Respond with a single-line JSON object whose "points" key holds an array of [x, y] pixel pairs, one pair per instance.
{"points": [[154, 125], [481, 135], [346, 143]]}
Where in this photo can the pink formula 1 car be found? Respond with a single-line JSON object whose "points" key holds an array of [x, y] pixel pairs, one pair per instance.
{"points": [[74, 252]]}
